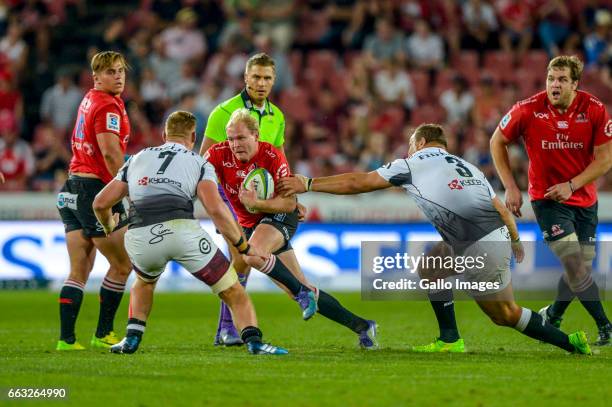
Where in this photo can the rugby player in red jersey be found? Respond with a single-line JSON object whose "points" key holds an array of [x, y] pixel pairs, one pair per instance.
{"points": [[272, 227], [566, 133], [99, 141]]}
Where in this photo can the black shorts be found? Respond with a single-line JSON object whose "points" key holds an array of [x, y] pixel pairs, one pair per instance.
{"points": [[286, 223], [75, 201], [558, 220]]}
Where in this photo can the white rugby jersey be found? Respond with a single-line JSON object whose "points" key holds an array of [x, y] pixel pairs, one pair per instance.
{"points": [[453, 194], [162, 183]]}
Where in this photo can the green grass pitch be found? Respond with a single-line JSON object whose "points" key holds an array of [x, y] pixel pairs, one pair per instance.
{"points": [[178, 366]]}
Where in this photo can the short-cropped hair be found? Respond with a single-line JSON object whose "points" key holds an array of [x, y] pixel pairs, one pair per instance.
{"points": [[261, 59], [432, 133], [572, 62], [180, 123], [105, 59], [243, 116]]}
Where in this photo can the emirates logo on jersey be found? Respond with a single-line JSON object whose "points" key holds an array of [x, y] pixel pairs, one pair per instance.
{"points": [[143, 181], [455, 184]]}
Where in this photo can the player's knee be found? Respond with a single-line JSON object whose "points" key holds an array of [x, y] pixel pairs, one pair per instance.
{"points": [[232, 294], [507, 314], [588, 254]]}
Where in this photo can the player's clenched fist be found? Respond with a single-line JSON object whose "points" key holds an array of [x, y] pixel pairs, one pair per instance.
{"points": [[296, 184]]}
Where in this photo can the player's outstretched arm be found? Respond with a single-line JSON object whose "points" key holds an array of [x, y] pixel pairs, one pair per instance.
{"points": [[112, 193], [499, 152], [343, 184], [517, 246]]}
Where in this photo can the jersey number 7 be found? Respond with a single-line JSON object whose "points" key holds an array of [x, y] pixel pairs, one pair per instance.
{"points": [[168, 155]]}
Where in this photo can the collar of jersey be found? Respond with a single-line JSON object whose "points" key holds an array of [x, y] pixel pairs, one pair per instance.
{"points": [[176, 144], [249, 105], [429, 148]]}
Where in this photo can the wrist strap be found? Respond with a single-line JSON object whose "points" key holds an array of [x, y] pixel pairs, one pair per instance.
{"points": [[571, 185], [518, 239], [308, 184], [242, 245]]}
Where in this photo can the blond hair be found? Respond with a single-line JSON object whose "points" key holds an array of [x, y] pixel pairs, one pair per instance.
{"points": [[105, 59], [180, 124], [572, 62], [261, 59], [243, 116]]}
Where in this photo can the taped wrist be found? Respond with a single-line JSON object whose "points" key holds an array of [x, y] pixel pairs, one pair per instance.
{"points": [[242, 245]]}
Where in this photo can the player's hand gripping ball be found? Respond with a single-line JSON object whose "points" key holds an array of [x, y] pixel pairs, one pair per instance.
{"points": [[260, 181]]}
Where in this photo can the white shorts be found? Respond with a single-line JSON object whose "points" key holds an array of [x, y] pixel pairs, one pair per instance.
{"points": [[183, 240], [492, 274]]}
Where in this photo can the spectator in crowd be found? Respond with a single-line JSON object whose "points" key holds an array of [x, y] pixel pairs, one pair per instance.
{"points": [[11, 101], [358, 82], [164, 67], [276, 19], [113, 36], [375, 154], [596, 43], [59, 103], [480, 24], [554, 26], [183, 41], [425, 49], [487, 108], [458, 101], [15, 48], [516, 33], [384, 44], [187, 82], [16, 158], [52, 158], [340, 16], [394, 86]]}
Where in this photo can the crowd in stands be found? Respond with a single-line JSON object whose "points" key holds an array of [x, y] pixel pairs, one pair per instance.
{"points": [[354, 77]]}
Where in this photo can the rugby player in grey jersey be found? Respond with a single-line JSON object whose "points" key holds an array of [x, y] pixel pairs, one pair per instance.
{"points": [[458, 200]]}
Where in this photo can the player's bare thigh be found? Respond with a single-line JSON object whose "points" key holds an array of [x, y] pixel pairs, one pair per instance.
{"points": [[112, 247], [82, 253], [269, 239]]}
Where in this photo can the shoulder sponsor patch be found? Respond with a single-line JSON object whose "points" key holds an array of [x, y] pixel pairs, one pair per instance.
{"points": [[113, 122], [505, 120], [608, 128]]}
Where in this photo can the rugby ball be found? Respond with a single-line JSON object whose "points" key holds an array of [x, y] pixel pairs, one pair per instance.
{"points": [[260, 181]]}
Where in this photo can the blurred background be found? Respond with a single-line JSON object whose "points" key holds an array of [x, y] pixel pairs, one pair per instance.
{"points": [[354, 78]]}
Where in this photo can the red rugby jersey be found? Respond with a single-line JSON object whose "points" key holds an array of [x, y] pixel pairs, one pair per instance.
{"points": [[99, 112], [231, 173], [559, 146]]}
